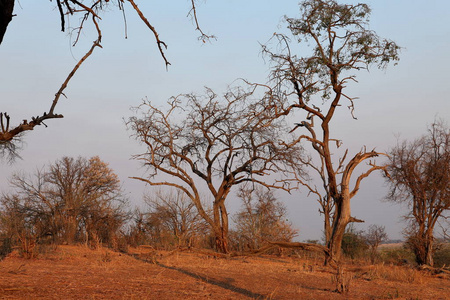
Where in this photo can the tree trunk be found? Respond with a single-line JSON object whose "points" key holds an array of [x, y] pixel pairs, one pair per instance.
{"points": [[429, 258], [222, 243], [221, 226], [6, 14], [71, 228], [423, 250], [327, 225], [340, 222], [335, 243], [429, 247]]}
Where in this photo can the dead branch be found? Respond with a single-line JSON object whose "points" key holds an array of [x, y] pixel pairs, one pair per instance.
{"points": [[7, 135], [306, 247], [435, 271], [366, 174], [193, 12], [155, 33], [301, 246], [87, 11], [75, 69], [355, 220]]}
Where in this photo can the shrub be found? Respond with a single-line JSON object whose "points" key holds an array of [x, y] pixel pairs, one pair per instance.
{"points": [[442, 256], [397, 256], [354, 244]]}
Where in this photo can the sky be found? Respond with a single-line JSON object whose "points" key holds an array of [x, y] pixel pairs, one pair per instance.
{"points": [[35, 58]]}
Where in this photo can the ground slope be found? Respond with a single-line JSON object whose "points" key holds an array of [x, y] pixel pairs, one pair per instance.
{"points": [[72, 272]]}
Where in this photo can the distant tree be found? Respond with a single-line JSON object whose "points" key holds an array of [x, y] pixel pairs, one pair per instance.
{"points": [[261, 219], [175, 214], [136, 233], [73, 12], [374, 236], [314, 85], [217, 143], [419, 176], [73, 200]]}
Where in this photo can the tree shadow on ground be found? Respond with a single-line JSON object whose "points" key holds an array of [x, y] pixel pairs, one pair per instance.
{"points": [[225, 284]]}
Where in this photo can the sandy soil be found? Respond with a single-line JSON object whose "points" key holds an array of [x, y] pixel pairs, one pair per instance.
{"points": [[72, 272]]}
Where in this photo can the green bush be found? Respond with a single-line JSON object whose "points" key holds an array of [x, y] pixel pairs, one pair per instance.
{"points": [[354, 244], [442, 256]]}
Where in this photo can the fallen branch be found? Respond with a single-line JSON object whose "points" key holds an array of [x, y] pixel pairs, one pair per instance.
{"points": [[434, 271]]}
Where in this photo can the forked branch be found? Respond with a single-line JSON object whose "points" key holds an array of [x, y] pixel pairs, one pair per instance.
{"points": [[193, 12]]}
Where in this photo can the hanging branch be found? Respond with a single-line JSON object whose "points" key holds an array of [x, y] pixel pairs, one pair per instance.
{"points": [[67, 8], [193, 12], [155, 33]]}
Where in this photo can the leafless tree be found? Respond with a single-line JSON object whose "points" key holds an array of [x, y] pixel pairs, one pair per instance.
{"points": [[82, 12], [374, 236], [340, 44], [419, 175], [175, 214], [215, 143], [261, 219], [73, 200], [28, 210]]}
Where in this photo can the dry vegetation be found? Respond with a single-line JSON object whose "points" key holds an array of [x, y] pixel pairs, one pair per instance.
{"points": [[75, 272]]}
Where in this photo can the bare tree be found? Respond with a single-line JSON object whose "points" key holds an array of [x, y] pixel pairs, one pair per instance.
{"points": [[219, 144], [29, 211], [419, 175], [374, 236], [74, 200], [176, 214], [261, 219], [82, 12], [340, 44]]}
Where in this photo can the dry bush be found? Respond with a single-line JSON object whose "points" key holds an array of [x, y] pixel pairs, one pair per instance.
{"points": [[397, 256], [397, 274], [262, 218], [170, 220], [27, 246]]}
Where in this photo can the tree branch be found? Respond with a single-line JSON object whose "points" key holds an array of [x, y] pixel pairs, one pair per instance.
{"points": [[155, 33]]}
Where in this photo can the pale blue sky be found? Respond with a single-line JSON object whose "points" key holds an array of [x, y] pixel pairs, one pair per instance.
{"points": [[35, 57]]}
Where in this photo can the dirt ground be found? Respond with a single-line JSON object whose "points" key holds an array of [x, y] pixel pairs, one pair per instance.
{"points": [[71, 272]]}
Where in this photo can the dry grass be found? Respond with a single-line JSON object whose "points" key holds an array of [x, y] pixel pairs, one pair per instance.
{"points": [[79, 273], [399, 274]]}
